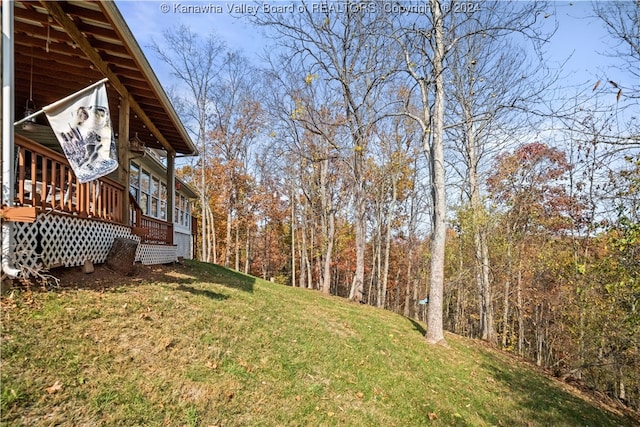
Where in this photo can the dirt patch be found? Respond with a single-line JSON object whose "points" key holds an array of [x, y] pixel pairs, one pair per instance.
{"points": [[104, 278]]}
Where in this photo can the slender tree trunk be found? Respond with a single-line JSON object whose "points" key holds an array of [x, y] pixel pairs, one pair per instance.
{"points": [[387, 244], [236, 246], [211, 234], [303, 255], [410, 280], [435, 330], [520, 310], [416, 293], [460, 302], [376, 261], [247, 255], [326, 285], [227, 250], [204, 244], [312, 245], [293, 235], [505, 307], [407, 292], [357, 289], [478, 224], [303, 248], [490, 330], [203, 183]]}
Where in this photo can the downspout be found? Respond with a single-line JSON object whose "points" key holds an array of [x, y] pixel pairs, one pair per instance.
{"points": [[7, 115]]}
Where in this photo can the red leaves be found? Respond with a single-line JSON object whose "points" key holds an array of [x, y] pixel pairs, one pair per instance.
{"points": [[530, 182]]}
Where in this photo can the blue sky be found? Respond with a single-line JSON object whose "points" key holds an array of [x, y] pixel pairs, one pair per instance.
{"points": [[580, 37]]}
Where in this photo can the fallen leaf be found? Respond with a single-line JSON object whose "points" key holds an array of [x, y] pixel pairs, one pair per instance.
{"points": [[56, 387]]}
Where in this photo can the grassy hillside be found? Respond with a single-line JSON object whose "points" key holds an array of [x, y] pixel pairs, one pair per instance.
{"points": [[198, 345]]}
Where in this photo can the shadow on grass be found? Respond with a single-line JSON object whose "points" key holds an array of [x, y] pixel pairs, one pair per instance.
{"points": [[202, 292], [543, 403], [206, 272], [189, 272], [418, 327]]}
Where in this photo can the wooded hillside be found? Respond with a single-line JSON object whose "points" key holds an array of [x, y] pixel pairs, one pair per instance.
{"points": [[392, 157]]}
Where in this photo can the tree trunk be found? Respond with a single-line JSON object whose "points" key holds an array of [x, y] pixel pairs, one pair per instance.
{"points": [[357, 289], [247, 257], [293, 236], [213, 246], [236, 246], [520, 310], [227, 250], [407, 294], [387, 244], [505, 308], [326, 284], [435, 331], [122, 256]]}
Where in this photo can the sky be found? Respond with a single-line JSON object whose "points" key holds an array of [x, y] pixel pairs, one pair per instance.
{"points": [[580, 38]]}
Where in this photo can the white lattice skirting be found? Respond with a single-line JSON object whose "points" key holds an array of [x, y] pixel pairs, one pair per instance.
{"points": [[156, 254], [64, 240]]}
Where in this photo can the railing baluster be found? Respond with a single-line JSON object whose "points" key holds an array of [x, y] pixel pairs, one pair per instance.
{"points": [[21, 163], [43, 174]]}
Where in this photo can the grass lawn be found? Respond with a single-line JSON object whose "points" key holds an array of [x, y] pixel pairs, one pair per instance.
{"points": [[198, 345]]}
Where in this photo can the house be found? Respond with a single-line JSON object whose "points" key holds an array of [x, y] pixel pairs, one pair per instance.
{"points": [[49, 51]]}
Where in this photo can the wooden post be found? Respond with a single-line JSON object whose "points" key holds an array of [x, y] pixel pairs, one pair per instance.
{"points": [[123, 155], [171, 186]]}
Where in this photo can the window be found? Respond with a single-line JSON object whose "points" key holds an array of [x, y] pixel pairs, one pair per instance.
{"points": [[134, 181], [183, 211], [145, 192], [155, 196], [151, 193], [163, 201]]}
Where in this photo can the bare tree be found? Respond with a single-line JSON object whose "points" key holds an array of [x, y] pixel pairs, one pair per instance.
{"points": [[195, 62], [622, 21], [346, 50], [236, 118], [427, 42], [308, 121], [493, 84]]}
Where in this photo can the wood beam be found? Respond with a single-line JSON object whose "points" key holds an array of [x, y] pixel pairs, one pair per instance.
{"points": [[124, 155], [56, 11]]}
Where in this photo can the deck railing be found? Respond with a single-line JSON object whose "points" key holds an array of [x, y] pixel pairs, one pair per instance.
{"points": [[45, 180], [150, 230]]}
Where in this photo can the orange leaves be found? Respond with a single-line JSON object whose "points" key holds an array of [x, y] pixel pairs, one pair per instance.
{"points": [[56, 387], [615, 86]]}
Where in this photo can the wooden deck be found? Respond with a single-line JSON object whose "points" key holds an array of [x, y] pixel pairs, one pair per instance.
{"points": [[45, 180]]}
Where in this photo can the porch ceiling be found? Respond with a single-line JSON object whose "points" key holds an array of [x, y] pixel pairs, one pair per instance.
{"points": [[60, 66]]}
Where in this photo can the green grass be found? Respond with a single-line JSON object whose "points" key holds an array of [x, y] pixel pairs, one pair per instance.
{"points": [[206, 346]]}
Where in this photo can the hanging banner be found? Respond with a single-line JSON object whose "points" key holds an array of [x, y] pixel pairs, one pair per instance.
{"points": [[82, 124]]}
